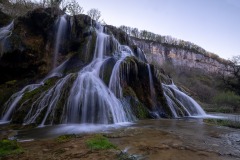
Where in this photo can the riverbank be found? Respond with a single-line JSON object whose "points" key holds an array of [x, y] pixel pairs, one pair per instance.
{"points": [[149, 139]]}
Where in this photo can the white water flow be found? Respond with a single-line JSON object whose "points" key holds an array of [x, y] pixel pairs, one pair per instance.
{"points": [[11, 104], [49, 100], [141, 56], [90, 100], [172, 105], [115, 79], [151, 85], [61, 30], [189, 105], [5, 32], [13, 101]]}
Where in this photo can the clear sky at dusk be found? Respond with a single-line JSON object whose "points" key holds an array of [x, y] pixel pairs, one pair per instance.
{"points": [[211, 24]]}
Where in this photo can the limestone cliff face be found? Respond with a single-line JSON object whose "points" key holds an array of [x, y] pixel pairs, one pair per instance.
{"points": [[157, 53]]}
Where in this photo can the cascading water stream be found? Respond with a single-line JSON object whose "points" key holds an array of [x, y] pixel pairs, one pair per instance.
{"points": [[13, 101], [115, 79], [61, 30], [5, 32], [191, 107], [47, 99], [90, 100], [152, 92]]}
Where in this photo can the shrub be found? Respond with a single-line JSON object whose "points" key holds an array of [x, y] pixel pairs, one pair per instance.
{"points": [[227, 99]]}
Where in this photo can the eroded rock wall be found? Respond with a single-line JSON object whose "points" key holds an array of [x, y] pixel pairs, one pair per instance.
{"points": [[157, 53]]}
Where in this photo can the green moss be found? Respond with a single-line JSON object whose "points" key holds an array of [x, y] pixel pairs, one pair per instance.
{"points": [[139, 110], [142, 112], [8, 147], [62, 100], [128, 91], [99, 142], [11, 83], [29, 95], [223, 122], [28, 99], [65, 138]]}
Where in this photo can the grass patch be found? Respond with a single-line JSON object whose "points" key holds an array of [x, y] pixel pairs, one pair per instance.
{"points": [[99, 142], [8, 147], [65, 138], [223, 122]]}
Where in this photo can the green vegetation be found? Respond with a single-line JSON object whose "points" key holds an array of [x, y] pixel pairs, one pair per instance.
{"points": [[8, 147], [223, 122], [99, 142], [11, 83], [65, 138], [29, 95], [228, 101]]}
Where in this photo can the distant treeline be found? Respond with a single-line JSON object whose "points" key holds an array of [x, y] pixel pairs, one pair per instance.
{"points": [[169, 41]]}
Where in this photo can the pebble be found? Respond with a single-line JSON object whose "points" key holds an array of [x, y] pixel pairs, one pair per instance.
{"points": [[66, 149], [46, 150]]}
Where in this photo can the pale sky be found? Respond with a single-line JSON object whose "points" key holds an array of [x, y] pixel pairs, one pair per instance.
{"points": [[212, 24]]}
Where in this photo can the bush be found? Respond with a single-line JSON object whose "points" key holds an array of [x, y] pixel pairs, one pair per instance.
{"points": [[227, 99]]}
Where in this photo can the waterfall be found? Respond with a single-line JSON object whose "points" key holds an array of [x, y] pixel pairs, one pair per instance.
{"points": [[85, 96], [115, 79], [152, 92], [140, 54], [5, 32], [61, 30], [90, 100], [177, 99]]}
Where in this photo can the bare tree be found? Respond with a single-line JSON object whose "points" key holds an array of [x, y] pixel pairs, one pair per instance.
{"points": [[123, 28], [143, 34], [135, 32], [16, 8], [95, 14], [74, 8]]}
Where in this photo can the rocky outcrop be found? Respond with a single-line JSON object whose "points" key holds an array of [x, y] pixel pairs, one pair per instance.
{"points": [[159, 54], [29, 51], [5, 19]]}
